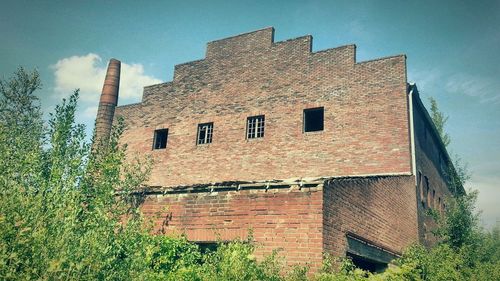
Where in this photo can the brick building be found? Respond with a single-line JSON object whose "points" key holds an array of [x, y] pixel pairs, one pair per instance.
{"points": [[313, 152]]}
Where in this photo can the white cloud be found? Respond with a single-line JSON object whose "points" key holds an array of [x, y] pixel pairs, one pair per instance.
{"points": [[87, 73], [482, 88], [134, 80]]}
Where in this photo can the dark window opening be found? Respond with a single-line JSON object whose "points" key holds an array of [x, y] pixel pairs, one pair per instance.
{"points": [[314, 119], [367, 264], [433, 200], [428, 193], [427, 186], [421, 188], [255, 127], [160, 139], [207, 246], [205, 133]]}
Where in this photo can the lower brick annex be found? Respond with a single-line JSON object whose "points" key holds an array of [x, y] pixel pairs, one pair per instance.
{"points": [[311, 152]]}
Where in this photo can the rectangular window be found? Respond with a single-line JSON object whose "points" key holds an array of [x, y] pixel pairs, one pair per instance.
{"points": [[428, 192], [205, 133], [421, 188], [314, 119], [160, 139], [255, 127], [433, 201], [425, 192]]}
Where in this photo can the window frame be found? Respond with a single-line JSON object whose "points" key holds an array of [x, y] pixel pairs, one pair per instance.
{"points": [[255, 130], [209, 130], [156, 139]]}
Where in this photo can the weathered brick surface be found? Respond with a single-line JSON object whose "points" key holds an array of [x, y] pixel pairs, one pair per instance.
{"points": [[366, 132], [302, 223], [382, 210], [432, 166], [288, 219], [366, 121]]}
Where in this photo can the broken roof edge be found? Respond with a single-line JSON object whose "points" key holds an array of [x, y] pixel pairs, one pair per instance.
{"points": [[258, 184], [412, 87]]}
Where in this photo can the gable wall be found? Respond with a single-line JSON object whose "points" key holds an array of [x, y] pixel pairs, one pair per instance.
{"points": [[366, 119]]}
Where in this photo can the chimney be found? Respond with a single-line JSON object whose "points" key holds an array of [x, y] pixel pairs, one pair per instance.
{"points": [[107, 104]]}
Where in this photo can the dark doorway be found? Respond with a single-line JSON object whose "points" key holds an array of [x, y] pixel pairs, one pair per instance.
{"points": [[366, 264], [366, 255]]}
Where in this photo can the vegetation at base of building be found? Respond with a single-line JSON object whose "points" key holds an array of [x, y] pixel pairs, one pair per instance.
{"points": [[61, 217]]}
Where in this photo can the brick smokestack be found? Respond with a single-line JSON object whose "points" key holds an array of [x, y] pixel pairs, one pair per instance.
{"points": [[107, 103]]}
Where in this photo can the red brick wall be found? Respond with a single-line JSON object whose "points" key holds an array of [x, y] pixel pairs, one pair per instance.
{"points": [[381, 210], [366, 119], [289, 219], [302, 223]]}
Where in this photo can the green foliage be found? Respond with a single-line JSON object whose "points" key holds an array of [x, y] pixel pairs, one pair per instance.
{"points": [[48, 227], [439, 120], [60, 217], [461, 174], [458, 174], [340, 270], [479, 260], [232, 261], [460, 225], [170, 258]]}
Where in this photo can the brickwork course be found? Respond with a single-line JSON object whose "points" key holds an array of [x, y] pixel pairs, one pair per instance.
{"points": [[360, 186]]}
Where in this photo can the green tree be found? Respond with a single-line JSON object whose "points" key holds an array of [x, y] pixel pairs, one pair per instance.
{"points": [[439, 120], [66, 213], [459, 174]]}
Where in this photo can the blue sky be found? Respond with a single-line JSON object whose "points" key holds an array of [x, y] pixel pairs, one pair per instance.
{"points": [[452, 49]]}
